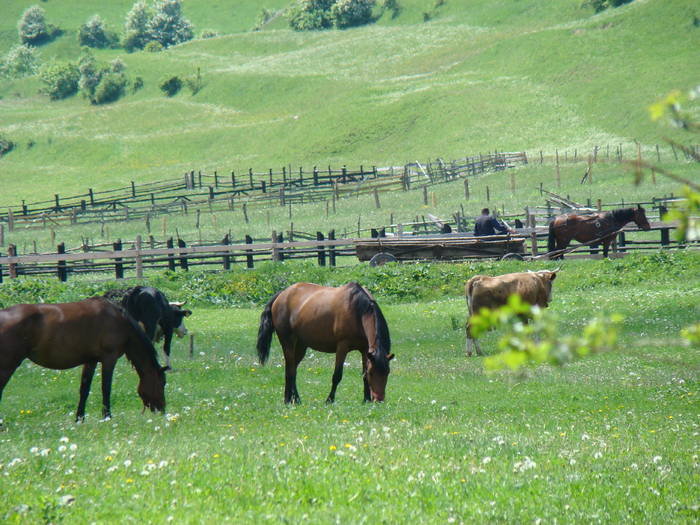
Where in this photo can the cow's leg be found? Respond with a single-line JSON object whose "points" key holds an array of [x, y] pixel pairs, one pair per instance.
{"points": [[167, 339], [108, 365], [472, 342], [340, 353], [85, 383]]}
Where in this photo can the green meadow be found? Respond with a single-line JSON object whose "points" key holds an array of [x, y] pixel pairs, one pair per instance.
{"points": [[608, 439], [611, 438]]}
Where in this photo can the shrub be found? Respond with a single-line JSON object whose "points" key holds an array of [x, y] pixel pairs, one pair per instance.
{"points": [[208, 33], [351, 13], [195, 83], [110, 88], [138, 84], [5, 146], [167, 25], [32, 27], [136, 34], [170, 86], [93, 33], [20, 61], [89, 75], [153, 47], [393, 6], [310, 15], [601, 5], [60, 79]]}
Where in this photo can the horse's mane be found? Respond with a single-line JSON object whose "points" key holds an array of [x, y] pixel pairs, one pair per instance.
{"points": [[622, 216], [365, 304]]}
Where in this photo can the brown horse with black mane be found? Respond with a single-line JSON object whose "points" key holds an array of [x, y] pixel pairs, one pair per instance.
{"points": [[332, 320], [61, 336], [585, 228]]}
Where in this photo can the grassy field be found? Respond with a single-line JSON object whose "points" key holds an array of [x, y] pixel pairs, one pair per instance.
{"points": [[487, 75], [612, 438]]}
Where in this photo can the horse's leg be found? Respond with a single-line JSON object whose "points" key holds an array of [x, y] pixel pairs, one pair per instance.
{"points": [[85, 382], [340, 353], [291, 361], [606, 246], [108, 365], [300, 352]]}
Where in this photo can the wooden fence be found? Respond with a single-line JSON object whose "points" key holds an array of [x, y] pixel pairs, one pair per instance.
{"points": [[136, 257], [272, 188]]}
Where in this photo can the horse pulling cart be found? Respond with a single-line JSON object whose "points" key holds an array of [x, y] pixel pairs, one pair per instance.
{"points": [[446, 247]]}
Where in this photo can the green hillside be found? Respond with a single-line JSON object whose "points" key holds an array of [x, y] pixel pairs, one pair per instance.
{"points": [[510, 75]]}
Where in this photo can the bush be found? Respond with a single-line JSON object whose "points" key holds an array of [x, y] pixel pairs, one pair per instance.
{"points": [[5, 146], [60, 79], [168, 26], [136, 34], [138, 84], [20, 61], [171, 86], [32, 27], [153, 47], [351, 13], [110, 88], [89, 75], [195, 83], [311, 15], [208, 33], [601, 5], [93, 33]]}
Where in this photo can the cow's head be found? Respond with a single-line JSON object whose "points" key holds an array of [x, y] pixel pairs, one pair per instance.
{"points": [[547, 277], [179, 318]]}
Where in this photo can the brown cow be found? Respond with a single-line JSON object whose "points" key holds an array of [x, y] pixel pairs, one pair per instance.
{"points": [[483, 291]]}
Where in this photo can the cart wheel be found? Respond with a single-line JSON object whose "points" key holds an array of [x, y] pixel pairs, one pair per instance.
{"points": [[381, 259], [512, 256]]}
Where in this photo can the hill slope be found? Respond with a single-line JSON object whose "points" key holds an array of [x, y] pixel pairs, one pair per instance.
{"points": [[506, 75]]}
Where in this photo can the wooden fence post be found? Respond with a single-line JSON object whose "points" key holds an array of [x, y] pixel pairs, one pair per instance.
{"points": [[425, 195], [139, 258], [665, 238], [466, 189], [533, 239], [12, 267], [10, 220], [249, 253], [376, 199], [488, 194], [321, 250], [2, 235], [275, 249], [171, 257], [331, 251], [118, 266], [227, 258], [245, 212], [61, 265], [183, 258]]}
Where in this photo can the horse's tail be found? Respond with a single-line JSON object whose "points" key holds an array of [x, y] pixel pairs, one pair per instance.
{"points": [[551, 238], [265, 330]]}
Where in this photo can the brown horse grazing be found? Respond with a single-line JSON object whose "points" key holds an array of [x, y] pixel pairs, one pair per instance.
{"points": [[67, 335], [332, 320], [585, 228]]}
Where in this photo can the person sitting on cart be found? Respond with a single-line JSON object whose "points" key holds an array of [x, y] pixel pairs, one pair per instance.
{"points": [[486, 224]]}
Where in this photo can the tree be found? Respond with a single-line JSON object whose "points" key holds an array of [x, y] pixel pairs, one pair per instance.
{"points": [[60, 79], [168, 26], [351, 13], [136, 32], [93, 33], [21, 61], [32, 26], [310, 15]]}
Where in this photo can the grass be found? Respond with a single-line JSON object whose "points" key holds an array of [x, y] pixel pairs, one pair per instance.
{"points": [[611, 438], [477, 77]]}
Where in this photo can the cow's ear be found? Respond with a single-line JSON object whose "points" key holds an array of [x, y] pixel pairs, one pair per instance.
{"points": [[187, 313], [552, 276]]}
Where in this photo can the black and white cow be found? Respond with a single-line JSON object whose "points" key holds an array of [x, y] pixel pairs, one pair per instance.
{"points": [[151, 309]]}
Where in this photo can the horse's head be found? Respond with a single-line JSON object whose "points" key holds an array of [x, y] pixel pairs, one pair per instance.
{"points": [[151, 389], [640, 218], [377, 374]]}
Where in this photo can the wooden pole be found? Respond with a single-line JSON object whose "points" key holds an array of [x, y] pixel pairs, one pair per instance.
{"points": [[12, 267], [139, 258], [377, 204], [466, 189]]}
